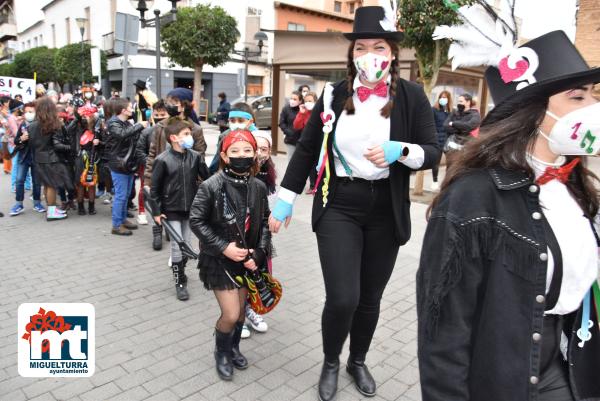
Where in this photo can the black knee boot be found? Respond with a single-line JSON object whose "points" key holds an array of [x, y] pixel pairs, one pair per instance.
{"points": [[329, 379], [80, 209], [239, 361], [157, 237], [363, 380], [223, 354], [180, 280]]}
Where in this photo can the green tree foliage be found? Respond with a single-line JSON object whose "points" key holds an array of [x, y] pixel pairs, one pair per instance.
{"points": [[418, 19], [39, 60], [201, 35], [42, 62], [7, 69], [67, 63]]}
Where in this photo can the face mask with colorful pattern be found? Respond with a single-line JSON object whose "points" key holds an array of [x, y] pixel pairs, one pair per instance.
{"points": [[372, 67]]}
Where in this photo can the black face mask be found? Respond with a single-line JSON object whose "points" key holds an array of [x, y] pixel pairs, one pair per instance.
{"points": [[172, 110], [460, 107], [157, 120], [241, 165]]}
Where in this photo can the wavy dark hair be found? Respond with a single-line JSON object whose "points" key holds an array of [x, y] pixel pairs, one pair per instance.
{"points": [[386, 111], [506, 142], [47, 115]]}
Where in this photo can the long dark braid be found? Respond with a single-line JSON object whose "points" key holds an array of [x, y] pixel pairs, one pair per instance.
{"points": [[386, 111]]}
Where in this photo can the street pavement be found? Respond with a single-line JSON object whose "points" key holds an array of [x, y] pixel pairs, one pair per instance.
{"points": [[150, 346]]}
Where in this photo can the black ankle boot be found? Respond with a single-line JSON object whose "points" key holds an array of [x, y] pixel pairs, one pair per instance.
{"points": [[80, 209], [329, 379], [239, 361], [91, 208], [223, 355], [180, 281], [157, 237], [365, 384]]}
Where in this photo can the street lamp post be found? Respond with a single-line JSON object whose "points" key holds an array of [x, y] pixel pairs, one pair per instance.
{"points": [[81, 25], [142, 6], [246, 54]]}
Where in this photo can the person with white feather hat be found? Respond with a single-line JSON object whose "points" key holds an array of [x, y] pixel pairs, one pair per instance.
{"points": [[508, 307], [381, 128]]}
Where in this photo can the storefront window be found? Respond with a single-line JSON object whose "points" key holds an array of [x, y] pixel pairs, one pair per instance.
{"points": [[457, 84]]}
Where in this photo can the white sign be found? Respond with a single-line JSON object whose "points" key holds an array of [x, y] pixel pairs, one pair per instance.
{"points": [[95, 54], [12, 86]]}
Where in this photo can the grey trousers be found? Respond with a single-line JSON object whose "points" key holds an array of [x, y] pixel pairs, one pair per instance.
{"points": [[554, 381], [183, 228]]}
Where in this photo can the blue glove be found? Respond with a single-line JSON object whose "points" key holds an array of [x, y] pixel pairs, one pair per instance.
{"points": [[282, 210], [393, 150]]}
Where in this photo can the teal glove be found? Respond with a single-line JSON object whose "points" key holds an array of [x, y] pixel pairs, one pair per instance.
{"points": [[282, 210], [393, 150]]}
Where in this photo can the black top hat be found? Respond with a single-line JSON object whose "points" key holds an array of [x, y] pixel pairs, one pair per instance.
{"points": [[140, 84], [540, 68], [367, 25]]}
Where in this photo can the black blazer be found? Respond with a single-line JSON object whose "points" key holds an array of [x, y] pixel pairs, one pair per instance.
{"points": [[411, 121]]}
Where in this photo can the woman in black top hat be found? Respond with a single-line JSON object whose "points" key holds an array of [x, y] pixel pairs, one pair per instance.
{"points": [[508, 307], [381, 128]]}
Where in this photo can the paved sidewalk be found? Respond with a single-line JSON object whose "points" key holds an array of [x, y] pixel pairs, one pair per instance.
{"points": [[151, 346]]}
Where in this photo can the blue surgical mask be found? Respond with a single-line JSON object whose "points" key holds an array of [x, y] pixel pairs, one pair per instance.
{"points": [[187, 142], [443, 101]]}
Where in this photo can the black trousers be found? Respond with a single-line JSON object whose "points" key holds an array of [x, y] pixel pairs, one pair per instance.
{"points": [[554, 381], [357, 249]]}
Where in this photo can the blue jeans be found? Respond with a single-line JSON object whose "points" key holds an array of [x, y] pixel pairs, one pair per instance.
{"points": [[122, 184], [14, 174], [24, 166]]}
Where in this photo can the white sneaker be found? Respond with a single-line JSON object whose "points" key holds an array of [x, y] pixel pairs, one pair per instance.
{"points": [[256, 320], [435, 186], [142, 220], [107, 200], [245, 331]]}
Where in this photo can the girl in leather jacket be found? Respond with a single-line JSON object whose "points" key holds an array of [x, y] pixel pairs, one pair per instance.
{"points": [[230, 217]]}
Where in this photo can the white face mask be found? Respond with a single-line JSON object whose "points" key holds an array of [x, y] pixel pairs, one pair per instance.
{"points": [[372, 67], [304, 93], [29, 116], [234, 126], [294, 103], [88, 95], [576, 133], [309, 105]]}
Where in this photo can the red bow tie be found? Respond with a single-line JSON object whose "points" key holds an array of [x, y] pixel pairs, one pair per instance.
{"points": [[559, 173], [380, 90]]}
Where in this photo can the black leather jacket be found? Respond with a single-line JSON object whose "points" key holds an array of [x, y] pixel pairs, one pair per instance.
{"points": [[175, 180], [481, 295], [66, 141], [286, 123], [207, 219], [122, 136], [42, 145]]}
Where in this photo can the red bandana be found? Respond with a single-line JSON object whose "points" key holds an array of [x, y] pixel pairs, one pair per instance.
{"points": [[238, 135], [380, 90], [560, 173]]}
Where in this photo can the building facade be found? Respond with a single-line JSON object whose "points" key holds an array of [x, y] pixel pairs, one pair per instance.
{"points": [[52, 23], [587, 37], [8, 31]]}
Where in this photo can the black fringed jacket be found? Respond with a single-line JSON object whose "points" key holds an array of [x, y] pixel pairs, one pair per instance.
{"points": [[411, 121], [481, 296]]}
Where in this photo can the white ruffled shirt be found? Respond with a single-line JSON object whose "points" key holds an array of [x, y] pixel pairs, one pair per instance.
{"points": [[354, 134], [366, 128], [575, 238]]}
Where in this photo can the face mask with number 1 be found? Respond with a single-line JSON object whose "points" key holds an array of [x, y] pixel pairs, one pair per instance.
{"points": [[576, 133]]}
